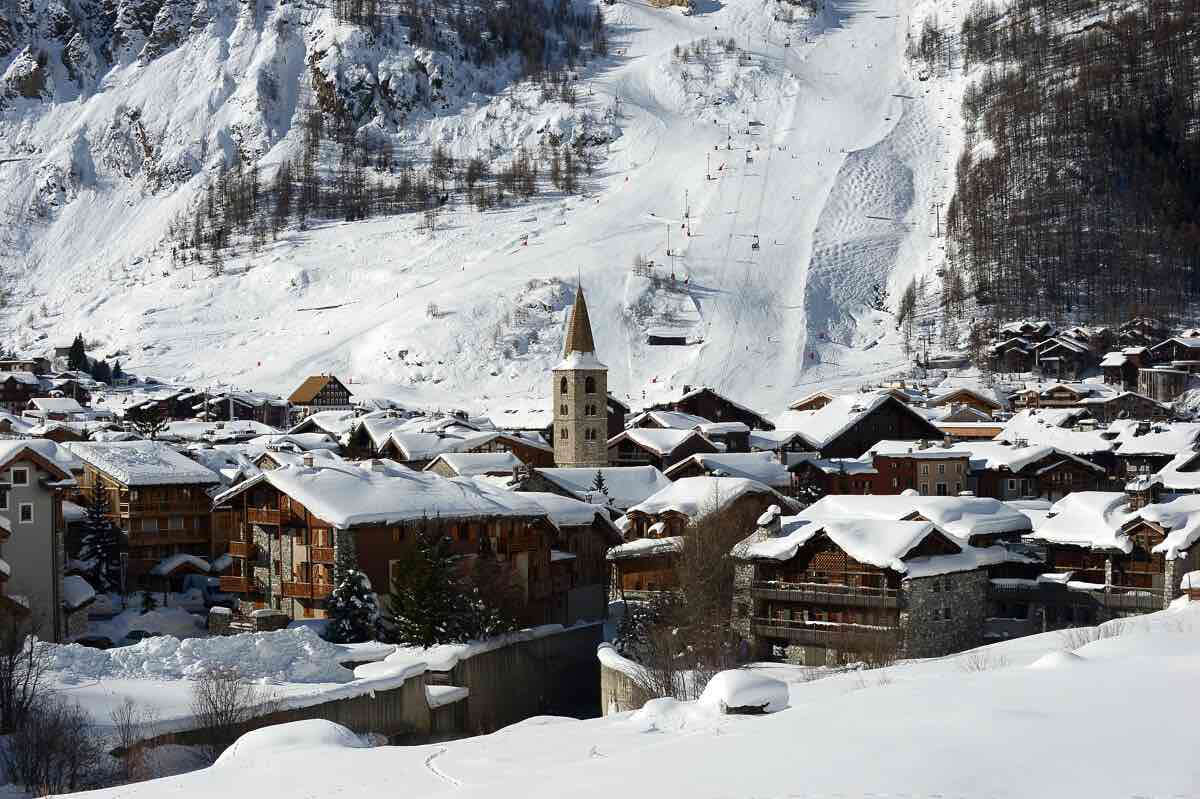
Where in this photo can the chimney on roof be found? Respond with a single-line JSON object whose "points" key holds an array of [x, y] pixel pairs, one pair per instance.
{"points": [[307, 460], [922, 444], [769, 524], [947, 442]]}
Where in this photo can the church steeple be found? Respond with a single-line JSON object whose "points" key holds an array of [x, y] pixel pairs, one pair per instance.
{"points": [[579, 388], [579, 328]]}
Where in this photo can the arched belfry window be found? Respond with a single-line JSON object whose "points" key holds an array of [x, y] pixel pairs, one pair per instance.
{"points": [[589, 385], [562, 386]]}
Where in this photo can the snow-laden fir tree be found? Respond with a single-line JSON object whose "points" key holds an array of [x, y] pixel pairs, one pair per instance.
{"points": [[427, 604], [351, 606], [100, 546], [599, 485], [77, 355]]}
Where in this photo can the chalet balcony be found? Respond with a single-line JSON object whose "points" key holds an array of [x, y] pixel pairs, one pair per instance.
{"points": [[829, 634], [164, 508], [272, 516], [855, 596], [1115, 597], [237, 585], [306, 590], [243, 549], [320, 554]]}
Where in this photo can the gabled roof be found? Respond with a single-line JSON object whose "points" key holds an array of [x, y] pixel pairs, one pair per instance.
{"points": [[761, 466], [144, 463], [312, 386], [44, 452], [473, 464], [381, 492], [626, 485], [879, 542], [695, 497], [660, 442], [672, 420], [824, 425]]}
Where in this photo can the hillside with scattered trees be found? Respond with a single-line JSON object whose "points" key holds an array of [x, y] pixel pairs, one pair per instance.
{"points": [[1078, 191]]}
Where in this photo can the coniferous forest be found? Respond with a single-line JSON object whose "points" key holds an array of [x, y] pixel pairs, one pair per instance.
{"points": [[1078, 193]]}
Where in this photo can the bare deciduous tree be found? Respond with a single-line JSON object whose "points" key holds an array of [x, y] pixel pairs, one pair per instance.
{"points": [[130, 721], [223, 703], [54, 749], [23, 666]]}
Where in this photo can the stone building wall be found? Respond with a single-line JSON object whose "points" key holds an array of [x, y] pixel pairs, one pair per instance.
{"points": [[575, 450], [944, 614]]}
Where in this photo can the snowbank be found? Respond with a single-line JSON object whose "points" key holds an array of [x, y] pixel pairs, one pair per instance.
{"points": [[269, 742], [738, 688], [297, 656]]}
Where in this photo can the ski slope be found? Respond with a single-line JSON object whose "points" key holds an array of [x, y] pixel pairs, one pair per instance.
{"points": [[827, 150]]}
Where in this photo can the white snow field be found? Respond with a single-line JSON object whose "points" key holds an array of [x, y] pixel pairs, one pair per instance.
{"points": [[1018, 719], [847, 152]]}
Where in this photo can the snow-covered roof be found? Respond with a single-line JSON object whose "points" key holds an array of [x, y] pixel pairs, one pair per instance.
{"points": [[878, 542], [1163, 439], [824, 425], [723, 428], [1112, 359], [64, 405], [625, 485], [216, 431], [333, 422], [579, 360], [1091, 519], [660, 442], [674, 420], [1182, 473], [470, 464], [1181, 518], [298, 441], [695, 497], [144, 463], [646, 547], [960, 517], [384, 492], [56, 454], [847, 466], [29, 378], [76, 592], [168, 565], [761, 466], [568, 512], [1032, 426]]}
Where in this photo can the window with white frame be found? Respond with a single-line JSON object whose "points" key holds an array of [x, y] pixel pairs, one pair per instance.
{"points": [[20, 476], [26, 512]]}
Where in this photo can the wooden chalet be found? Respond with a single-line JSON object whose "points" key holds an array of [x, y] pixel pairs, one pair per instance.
{"points": [[320, 393], [17, 389], [253, 406], [1120, 368], [708, 404], [813, 402], [656, 447], [824, 591], [1180, 352], [1126, 405], [851, 424], [288, 523], [1163, 384], [966, 398], [157, 497]]}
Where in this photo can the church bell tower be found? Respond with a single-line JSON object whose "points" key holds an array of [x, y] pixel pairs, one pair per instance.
{"points": [[580, 395]]}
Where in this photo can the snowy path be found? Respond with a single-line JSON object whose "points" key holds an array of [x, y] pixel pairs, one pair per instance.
{"points": [[441, 775]]}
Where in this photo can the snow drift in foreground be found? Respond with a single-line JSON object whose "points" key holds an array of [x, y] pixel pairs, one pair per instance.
{"points": [[980, 724]]}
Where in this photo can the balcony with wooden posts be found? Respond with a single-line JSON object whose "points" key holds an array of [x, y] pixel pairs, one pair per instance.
{"points": [[271, 516], [306, 590], [829, 634], [320, 554], [856, 596], [243, 549], [236, 585]]}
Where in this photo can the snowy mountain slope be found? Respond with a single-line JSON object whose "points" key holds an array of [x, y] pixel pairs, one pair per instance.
{"points": [[835, 147], [961, 726]]}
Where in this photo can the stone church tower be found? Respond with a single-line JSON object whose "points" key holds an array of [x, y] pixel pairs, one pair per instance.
{"points": [[580, 396]]}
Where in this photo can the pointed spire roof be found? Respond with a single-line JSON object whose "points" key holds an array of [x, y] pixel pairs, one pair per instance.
{"points": [[579, 328]]}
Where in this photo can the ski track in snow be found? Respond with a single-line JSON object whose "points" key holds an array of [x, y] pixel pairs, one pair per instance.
{"points": [[836, 147], [441, 775]]}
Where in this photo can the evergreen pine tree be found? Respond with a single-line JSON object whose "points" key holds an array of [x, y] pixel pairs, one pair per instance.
{"points": [[351, 605], [149, 603], [101, 372], [426, 605], [100, 546], [599, 485], [809, 491], [77, 356], [117, 372]]}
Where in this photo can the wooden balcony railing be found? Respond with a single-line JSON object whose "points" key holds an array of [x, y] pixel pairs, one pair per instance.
{"points": [[825, 633], [242, 549], [236, 585], [264, 516], [320, 554], [828, 593], [306, 590]]}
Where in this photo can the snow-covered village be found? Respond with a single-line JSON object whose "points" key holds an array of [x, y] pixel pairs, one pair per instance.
{"points": [[622, 398]]}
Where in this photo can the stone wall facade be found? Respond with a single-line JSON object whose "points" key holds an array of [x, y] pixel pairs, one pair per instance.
{"points": [[943, 614], [585, 444]]}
